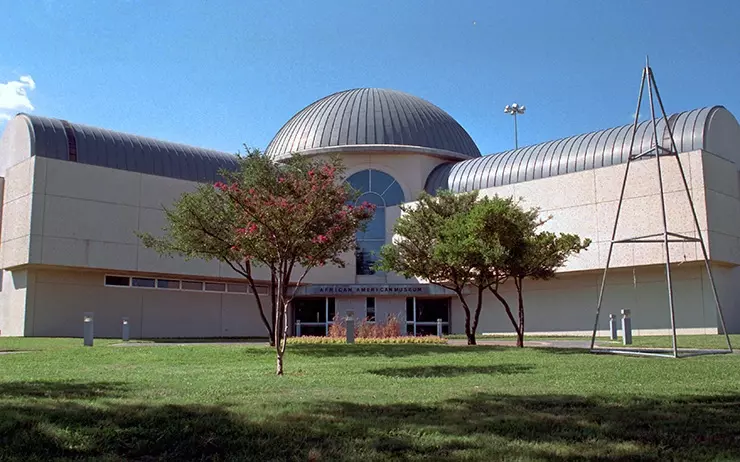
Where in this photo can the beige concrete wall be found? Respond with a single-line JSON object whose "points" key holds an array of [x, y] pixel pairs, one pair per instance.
{"points": [[585, 203], [17, 288], [75, 215], [567, 304], [61, 297]]}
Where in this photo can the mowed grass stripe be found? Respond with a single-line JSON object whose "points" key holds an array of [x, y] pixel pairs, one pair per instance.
{"points": [[362, 402]]}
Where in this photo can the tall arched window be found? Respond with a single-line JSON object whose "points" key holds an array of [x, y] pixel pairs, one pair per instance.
{"points": [[382, 190]]}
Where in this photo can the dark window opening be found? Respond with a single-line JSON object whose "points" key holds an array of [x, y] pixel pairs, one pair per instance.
{"points": [[192, 285], [237, 288], [370, 309], [215, 286], [168, 284], [71, 141], [142, 282], [117, 281]]}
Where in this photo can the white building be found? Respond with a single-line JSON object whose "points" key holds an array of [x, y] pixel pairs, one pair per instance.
{"points": [[74, 196]]}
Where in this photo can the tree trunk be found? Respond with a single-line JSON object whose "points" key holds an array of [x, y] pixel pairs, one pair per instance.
{"points": [[508, 311], [252, 285], [478, 307], [469, 333], [278, 325], [520, 331]]}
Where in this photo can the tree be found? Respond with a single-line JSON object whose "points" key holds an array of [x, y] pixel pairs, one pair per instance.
{"points": [[433, 241], [516, 250], [286, 216]]}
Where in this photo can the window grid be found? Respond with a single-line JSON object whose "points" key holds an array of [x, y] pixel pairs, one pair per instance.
{"points": [[184, 285], [384, 191]]}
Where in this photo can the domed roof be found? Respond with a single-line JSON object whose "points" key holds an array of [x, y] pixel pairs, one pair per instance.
{"points": [[373, 119]]}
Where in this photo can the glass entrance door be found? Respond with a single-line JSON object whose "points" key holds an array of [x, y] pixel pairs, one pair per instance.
{"points": [[315, 315], [422, 315]]}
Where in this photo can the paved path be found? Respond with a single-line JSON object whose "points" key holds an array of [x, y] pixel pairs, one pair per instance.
{"points": [[530, 343]]}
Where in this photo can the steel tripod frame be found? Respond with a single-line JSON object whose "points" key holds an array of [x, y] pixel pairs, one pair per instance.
{"points": [[667, 237]]}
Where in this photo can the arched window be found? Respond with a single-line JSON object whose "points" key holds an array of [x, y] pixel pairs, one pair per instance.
{"points": [[382, 190]]}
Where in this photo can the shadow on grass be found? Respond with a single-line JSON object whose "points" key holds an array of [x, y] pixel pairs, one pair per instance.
{"points": [[477, 427], [62, 390], [451, 371], [324, 350]]}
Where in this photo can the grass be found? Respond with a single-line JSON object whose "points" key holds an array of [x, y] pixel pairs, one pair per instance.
{"points": [[361, 402], [708, 341]]}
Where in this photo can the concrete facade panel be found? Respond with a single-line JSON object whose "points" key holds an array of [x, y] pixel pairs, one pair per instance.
{"points": [[550, 193], [90, 220], [720, 175], [723, 213], [82, 181], [180, 314]]}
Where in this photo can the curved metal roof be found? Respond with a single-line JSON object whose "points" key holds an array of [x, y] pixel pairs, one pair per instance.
{"points": [[372, 117], [59, 139], [573, 154]]}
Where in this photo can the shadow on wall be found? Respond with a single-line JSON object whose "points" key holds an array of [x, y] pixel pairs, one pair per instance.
{"points": [[478, 427]]}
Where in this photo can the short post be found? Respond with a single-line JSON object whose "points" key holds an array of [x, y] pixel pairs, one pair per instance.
{"points": [[612, 327], [125, 331], [350, 326], [298, 328], [439, 327], [88, 329], [626, 327]]}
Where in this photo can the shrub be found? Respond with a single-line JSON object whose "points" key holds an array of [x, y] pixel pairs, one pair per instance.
{"points": [[364, 328], [429, 339]]}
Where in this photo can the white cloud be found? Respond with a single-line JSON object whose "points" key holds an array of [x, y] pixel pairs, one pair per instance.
{"points": [[14, 96]]}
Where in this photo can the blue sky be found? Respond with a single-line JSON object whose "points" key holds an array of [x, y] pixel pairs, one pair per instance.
{"points": [[221, 73]]}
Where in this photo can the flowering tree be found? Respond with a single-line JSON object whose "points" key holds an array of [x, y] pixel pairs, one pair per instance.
{"points": [[289, 216]]}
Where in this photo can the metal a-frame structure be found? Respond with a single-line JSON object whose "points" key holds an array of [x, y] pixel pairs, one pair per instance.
{"points": [[666, 237]]}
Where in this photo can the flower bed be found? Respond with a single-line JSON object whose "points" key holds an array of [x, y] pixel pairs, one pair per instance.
{"points": [[428, 339]]}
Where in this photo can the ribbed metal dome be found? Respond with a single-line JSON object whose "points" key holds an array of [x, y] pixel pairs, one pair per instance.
{"points": [[713, 129], [373, 119]]}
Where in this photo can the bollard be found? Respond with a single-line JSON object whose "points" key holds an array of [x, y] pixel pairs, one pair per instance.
{"points": [[350, 326], [612, 327], [124, 330], [626, 327], [439, 327], [88, 330], [298, 328]]}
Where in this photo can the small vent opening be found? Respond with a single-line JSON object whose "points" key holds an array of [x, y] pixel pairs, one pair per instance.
{"points": [[71, 141]]}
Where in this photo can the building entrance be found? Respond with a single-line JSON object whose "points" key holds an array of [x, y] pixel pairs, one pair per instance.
{"points": [[315, 314], [422, 314]]}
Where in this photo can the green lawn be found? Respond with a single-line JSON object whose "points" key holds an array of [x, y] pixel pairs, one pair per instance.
{"points": [[650, 341], [362, 402]]}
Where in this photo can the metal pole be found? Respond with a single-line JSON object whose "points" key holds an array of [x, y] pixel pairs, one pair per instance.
{"points": [[125, 329], [439, 327], [298, 328], [516, 133], [619, 208], [674, 148], [414, 316], [612, 327], [669, 282], [626, 328], [350, 326], [88, 329]]}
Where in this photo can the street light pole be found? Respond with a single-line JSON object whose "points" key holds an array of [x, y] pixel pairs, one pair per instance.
{"points": [[513, 110]]}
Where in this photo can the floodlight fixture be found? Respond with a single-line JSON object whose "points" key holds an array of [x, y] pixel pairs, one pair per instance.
{"points": [[514, 109]]}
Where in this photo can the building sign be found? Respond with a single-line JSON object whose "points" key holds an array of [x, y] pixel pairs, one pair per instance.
{"points": [[373, 289]]}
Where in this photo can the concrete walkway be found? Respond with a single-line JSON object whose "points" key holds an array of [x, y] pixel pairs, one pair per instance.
{"points": [[583, 344]]}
